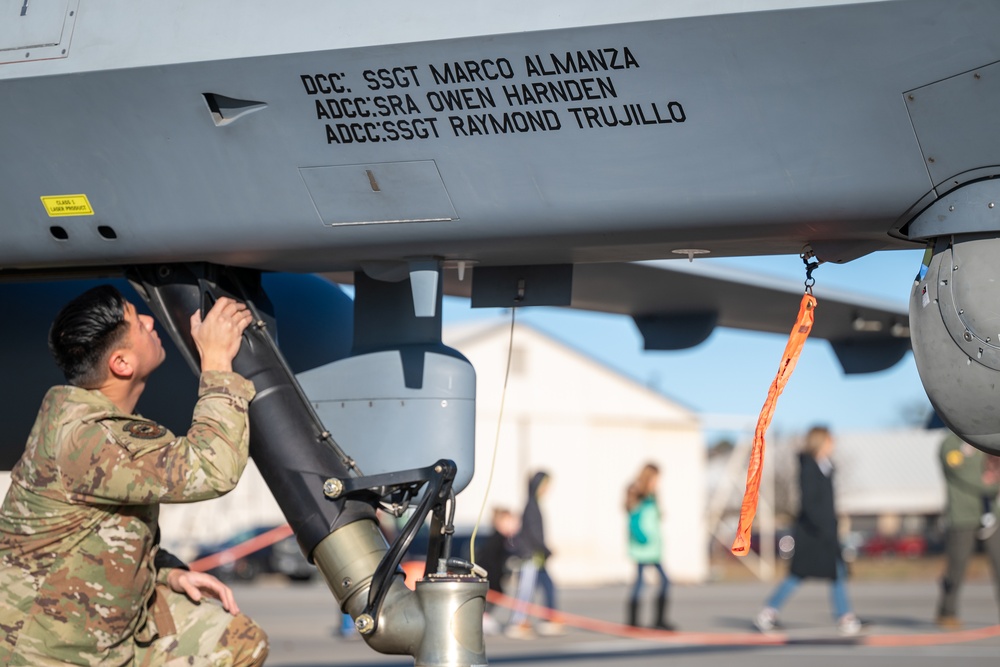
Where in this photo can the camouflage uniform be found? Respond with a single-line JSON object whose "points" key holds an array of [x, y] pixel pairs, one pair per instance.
{"points": [[968, 487], [79, 559]]}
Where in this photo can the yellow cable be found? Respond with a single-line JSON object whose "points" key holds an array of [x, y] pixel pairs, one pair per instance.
{"points": [[496, 440]]}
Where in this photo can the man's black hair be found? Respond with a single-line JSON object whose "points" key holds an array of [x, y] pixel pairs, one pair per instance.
{"points": [[85, 331]]}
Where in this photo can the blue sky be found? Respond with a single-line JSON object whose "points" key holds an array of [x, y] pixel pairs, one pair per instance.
{"points": [[726, 378]]}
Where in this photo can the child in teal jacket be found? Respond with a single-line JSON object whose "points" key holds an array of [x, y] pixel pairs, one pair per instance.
{"points": [[645, 543]]}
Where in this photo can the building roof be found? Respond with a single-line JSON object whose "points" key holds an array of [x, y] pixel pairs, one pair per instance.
{"points": [[466, 335]]}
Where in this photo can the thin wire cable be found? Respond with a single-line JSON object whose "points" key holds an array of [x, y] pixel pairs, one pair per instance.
{"points": [[496, 440]]}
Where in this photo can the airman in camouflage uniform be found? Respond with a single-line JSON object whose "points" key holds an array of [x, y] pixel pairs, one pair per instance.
{"points": [[972, 481], [82, 578]]}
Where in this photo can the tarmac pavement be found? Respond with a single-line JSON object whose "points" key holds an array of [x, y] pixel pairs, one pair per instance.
{"points": [[713, 621]]}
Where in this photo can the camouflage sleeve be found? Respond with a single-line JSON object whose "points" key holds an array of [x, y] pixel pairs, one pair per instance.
{"points": [[964, 472], [124, 460], [164, 561]]}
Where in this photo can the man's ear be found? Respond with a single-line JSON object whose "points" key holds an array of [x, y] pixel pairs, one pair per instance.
{"points": [[120, 363]]}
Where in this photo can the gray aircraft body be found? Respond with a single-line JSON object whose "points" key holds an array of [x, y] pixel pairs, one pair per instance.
{"points": [[517, 153]]}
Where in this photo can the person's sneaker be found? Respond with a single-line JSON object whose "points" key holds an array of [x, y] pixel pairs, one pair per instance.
{"points": [[849, 625], [948, 623], [766, 619], [550, 628], [520, 631], [491, 626], [987, 526]]}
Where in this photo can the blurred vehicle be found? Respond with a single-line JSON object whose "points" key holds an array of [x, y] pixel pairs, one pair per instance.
{"points": [[910, 546], [282, 557], [907, 546], [877, 546]]}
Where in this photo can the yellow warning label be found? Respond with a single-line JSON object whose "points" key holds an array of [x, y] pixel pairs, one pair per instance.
{"points": [[62, 205]]}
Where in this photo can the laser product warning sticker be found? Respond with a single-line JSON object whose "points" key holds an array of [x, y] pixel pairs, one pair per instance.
{"points": [[58, 206]]}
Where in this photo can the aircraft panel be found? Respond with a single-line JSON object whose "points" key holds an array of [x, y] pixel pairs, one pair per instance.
{"points": [[740, 134], [953, 119], [378, 193], [113, 36], [35, 30]]}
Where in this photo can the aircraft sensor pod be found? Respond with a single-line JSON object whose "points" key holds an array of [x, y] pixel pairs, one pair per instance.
{"points": [[954, 320], [955, 333]]}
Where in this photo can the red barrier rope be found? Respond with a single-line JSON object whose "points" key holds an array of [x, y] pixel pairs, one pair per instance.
{"points": [[620, 630], [617, 629], [735, 638], [242, 549]]}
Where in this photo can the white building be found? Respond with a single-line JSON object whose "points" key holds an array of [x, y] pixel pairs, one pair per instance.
{"points": [[592, 429], [890, 472]]}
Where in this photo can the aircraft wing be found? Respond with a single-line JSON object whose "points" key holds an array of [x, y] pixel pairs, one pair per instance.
{"points": [[677, 304]]}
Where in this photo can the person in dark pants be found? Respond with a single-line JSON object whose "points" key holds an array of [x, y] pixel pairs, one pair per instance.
{"points": [[972, 479], [495, 557], [645, 543], [817, 545], [534, 552]]}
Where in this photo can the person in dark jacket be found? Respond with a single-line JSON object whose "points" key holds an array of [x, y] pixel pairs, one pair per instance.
{"points": [[496, 555], [817, 544], [534, 552]]}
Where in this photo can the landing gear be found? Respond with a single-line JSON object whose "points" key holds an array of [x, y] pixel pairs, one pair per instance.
{"points": [[441, 624]]}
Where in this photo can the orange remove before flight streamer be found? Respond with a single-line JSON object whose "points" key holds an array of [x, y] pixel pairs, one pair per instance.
{"points": [[797, 338]]}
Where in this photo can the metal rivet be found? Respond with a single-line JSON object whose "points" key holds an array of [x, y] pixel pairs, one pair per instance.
{"points": [[332, 488], [968, 337], [951, 208], [990, 205], [909, 97], [346, 583], [365, 624], [931, 160]]}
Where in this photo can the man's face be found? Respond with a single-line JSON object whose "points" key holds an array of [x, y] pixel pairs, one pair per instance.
{"points": [[143, 342]]}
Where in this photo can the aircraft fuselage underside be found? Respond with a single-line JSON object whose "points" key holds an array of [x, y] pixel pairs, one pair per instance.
{"points": [[748, 133]]}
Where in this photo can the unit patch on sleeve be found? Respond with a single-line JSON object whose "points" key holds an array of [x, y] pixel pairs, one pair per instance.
{"points": [[144, 430]]}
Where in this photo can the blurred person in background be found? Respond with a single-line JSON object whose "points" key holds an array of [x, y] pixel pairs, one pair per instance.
{"points": [[533, 552], [495, 556], [645, 543], [817, 542], [972, 479]]}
